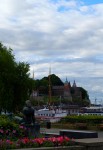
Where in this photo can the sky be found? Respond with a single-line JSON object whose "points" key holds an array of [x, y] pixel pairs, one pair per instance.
{"points": [[64, 34]]}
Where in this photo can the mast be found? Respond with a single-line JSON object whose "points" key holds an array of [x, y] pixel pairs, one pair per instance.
{"points": [[49, 87], [33, 74], [32, 87]]}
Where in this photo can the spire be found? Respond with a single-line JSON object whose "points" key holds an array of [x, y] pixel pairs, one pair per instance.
{"points": [[74, 84], [69, 84], [66, 81]]}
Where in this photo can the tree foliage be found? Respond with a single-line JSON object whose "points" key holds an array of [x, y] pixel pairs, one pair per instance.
{"points": [[15, 84], [55, 80]]}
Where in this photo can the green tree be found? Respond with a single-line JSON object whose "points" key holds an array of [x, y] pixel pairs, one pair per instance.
{"points": [[7, 69], [55, 80], [15, 83], [23, 85]]}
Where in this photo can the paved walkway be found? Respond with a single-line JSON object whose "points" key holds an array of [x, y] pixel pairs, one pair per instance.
{"points": [[56, 131]]}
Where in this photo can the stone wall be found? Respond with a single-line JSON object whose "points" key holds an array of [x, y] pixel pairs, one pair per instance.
{"points": [[57, 148]]}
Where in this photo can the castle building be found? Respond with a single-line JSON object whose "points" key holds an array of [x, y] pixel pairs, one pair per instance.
{"points": [[67, 91]]}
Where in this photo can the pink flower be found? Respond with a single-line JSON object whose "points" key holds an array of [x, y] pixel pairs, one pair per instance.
{"points": [[7, 131], [1, 131], [21, 127], [14, 131], [9, 142]]}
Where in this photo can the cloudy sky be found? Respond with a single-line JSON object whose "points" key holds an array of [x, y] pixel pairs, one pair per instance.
{"points": [[66, 34]]}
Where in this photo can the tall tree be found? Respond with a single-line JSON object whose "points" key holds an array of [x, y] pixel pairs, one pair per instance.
{"points": [[21, 85], [55, 80], [15, 83], [7, 69]]}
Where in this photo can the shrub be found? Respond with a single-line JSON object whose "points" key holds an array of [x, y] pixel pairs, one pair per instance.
{"points": [[89, 119], [9, 129]]}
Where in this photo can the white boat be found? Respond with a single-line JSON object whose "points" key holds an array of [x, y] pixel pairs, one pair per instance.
{"points": [[93, 110], [52, 115]]}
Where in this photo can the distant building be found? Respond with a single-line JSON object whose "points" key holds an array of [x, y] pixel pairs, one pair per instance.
{"points": [[65, 91]]}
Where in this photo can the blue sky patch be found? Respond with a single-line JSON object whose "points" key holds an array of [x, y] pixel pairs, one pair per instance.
{"points": [[54, 1], [63, 8], [90, 2], [87, 2]]}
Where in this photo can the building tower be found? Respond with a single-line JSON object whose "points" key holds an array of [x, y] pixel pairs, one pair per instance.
{"points": [[67, 89], [76, 93]]}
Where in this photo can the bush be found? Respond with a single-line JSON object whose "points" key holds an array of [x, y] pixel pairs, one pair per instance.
{"points": [[89, 119], [9, 129]]}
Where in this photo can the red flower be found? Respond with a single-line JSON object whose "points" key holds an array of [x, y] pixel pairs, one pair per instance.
{"points": [[25, 140], [66, 138]]}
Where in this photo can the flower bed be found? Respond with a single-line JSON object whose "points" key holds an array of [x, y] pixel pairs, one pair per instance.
{"points": [[14, 136], [36, 142]]}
